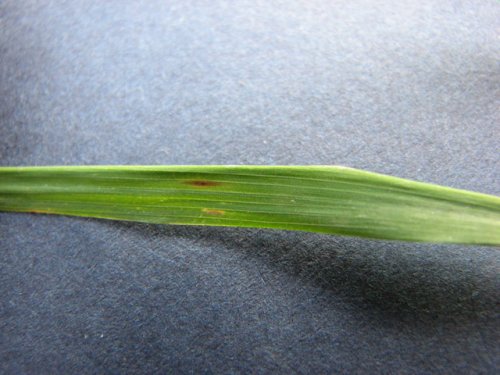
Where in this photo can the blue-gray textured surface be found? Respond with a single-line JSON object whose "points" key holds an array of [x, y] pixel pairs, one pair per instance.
{"points": [[404, 88]]}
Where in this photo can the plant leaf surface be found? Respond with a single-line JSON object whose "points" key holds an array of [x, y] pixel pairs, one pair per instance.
{"points": [[325, 199]]}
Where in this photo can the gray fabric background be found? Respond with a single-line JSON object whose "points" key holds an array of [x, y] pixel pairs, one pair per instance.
{"points": [[409, 88]]}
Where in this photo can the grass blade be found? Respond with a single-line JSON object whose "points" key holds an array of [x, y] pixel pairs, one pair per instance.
{"points": [[324, 199]]}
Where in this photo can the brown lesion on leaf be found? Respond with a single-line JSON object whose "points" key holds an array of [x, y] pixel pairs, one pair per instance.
{"points": [[202, 183], [34, 211], [214, 212]]}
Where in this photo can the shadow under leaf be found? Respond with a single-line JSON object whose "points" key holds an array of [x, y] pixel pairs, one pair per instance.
{"points": [[422, 283]]}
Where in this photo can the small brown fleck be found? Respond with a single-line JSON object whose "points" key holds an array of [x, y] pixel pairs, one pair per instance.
{"points": [[210, 211], [202, 183]]}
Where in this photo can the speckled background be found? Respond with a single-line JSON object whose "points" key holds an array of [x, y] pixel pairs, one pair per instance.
{"points": [[409, 88]]}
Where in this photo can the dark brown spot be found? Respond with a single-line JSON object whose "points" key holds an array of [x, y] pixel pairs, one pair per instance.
{"points": [[203, 183]]}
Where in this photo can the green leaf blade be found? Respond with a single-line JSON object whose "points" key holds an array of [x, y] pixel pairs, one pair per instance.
{"points": [[323, 199]]}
